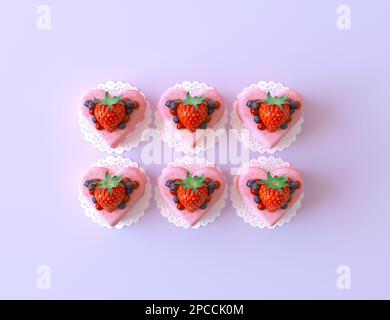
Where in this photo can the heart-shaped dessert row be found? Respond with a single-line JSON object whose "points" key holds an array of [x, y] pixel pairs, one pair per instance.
{"points": [[186, 113], [191, 193], [269, 117], [114, 117], [270, 193], [113, 192]]}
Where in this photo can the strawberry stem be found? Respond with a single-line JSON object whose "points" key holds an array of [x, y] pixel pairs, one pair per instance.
{"points": [[110, 183], [193, 101], [109, 101], [193, 183], [275, 182], [275, 101]]}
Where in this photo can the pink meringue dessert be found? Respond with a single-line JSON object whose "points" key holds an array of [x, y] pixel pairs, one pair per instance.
{"points": [[270, 194], [114, 117], [189, 115], [191, 193], [269, 117], [113, 193]]}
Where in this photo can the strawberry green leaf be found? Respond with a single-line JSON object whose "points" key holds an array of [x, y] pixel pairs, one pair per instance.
{"points": [[275, 182], [109, 101], [110, 183], [275, 101], [193, 101], [193, 183]]}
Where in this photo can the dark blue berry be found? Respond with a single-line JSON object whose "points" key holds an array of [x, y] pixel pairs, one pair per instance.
{"points": [[249, 183], [173, 187], [87, 182], [211, 111], [211, 104], [293, 186], [94, 200], [293, 104], [94, 120], [203, 126], [211, 190], [249, 103], [212, 185], [89, 104], [122, 125], [176, 119], [129, 104], [171, 104], [122, 205], [284, 126], [175, 199], [257, 199], [255, 105], [255, 187], [92, 186], [129, 110], [129, 188], [284, 207], [203, 206], [257, 119], [168, 183], [168, 103]]}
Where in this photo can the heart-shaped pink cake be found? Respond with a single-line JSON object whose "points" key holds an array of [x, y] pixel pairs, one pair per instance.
{"points": [[188, 114], [114, 117], [269, 117], [270, 194], [191, 193], [113, 193]]}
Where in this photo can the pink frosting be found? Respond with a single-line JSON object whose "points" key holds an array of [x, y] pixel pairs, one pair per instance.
{"points": [[191, 137], [258, 173], [114, 217], [269, 139], [114, 139], [180, 173]]}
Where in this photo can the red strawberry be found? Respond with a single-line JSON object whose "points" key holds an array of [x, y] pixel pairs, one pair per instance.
{"points": [[110, 192], [192, 112], [274, 112], [192, 192], [274, 192], [110, 112]]}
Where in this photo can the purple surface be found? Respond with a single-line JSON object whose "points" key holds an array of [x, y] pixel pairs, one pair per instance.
{"points": [[343, 149]]}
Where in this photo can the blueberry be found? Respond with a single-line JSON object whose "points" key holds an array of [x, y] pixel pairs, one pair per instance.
{"points": [[211, 110], [175, 199], [173, 187], [168, 103], [203, 126], [284, 126], [284, 207], [94, 200], [293, 186], [92, 186], [249, 183], [211, 104], [129, 188], [257, 199], [122, 205], [203, 206], [255, 105], [257, 119], [212, 185], [171, 104], [87, 182], [176, 119], [89, 104], [129, 104], [211, 190], [168, 183], [249, 103], [293, 104], [94, 120], [122, 125], [255, 187], [129, 110]]}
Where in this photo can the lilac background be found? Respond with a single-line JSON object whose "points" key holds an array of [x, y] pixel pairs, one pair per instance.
{"points": [[342, 150]]}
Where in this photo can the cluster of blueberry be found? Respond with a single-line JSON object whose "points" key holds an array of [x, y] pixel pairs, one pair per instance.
{"points": [[254, 185], [129, 186], [254, 106], [173, 185], [173, 104]]}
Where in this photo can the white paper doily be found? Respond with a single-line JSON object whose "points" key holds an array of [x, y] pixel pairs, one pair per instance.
{"points": [[135, 213], [173, 137], [247, 138], [134, 137], [244, 211], [173, 216]]}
